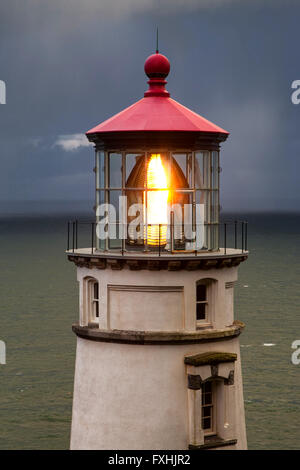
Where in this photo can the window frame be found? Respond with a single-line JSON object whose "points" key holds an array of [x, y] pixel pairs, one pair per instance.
{"points": [[202, 302], [209, 302], [212, 431], [92, 302]]}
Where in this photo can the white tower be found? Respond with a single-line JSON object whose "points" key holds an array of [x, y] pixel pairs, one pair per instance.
{"points": [[158, 359]]}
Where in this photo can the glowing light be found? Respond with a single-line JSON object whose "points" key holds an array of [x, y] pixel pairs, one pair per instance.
{"points": [[157, 201]]}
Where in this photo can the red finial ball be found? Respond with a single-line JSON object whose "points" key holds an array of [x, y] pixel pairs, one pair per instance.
{"points": [[157, 66]]}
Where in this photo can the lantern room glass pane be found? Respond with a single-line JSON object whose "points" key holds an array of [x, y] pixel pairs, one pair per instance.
{"points": [[202, 169], [214, 237], [100, 169], [115, 170], [191, 182], [114, 240], [166, 163], [201, 220], [100, 199], [182, 166], [183, 218], [214, 206], [135, 219], [135, 170], [215, 170], [207, 206], [199, 183]]}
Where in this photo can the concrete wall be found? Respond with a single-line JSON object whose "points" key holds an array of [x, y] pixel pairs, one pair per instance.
{"points": [[158, 301], [136, 397]]}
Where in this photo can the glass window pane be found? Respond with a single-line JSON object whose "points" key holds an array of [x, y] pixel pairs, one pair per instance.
{"points": [[182, 217], [100, 199], [206, 411], [206, 423], [214, 206], [135, 201], [135, 219], [161, 178], [207, 406], [202, 169], [201, 227], [181, 177], [201, 292], [100, 170], [207, 398], [115, 170], [97, 309], [135, 170], [181, 207], [214, 236], [215, 170], [207, 170], [207, 205], [201, 311], [166, 162], [96, 290], [200, 197], [199, 181], [202, 206], [114, 219]]}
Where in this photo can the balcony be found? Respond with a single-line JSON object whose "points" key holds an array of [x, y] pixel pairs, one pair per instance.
{"points": [[176, 252]]}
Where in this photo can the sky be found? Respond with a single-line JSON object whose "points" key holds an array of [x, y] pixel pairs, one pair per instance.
{"points": [[68, 65]]}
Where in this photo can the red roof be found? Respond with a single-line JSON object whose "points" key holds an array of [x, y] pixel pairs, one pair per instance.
{"points": [[157, 111]]}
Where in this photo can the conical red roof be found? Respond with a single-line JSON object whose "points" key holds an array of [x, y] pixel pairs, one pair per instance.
{"points": [[156, 111]]}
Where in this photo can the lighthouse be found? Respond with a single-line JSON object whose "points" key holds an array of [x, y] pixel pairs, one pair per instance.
{"points": [[158, 362]]}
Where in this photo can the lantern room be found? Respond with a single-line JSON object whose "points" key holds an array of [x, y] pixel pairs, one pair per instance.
{"points": [[157, 174]]}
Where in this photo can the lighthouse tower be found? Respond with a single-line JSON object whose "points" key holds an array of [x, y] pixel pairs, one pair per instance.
{"points": [[158, 362]]}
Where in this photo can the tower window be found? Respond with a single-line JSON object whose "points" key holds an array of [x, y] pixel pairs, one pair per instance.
{"points": [[206, 295], [208, 408], [95, 299], [92, 299], [211, 398], [202, 302]]}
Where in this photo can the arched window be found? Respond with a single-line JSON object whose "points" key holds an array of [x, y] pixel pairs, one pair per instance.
{"points": [[205, 300], [92, 299]]}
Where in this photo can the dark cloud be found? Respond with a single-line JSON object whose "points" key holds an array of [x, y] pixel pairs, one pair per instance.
{"points": [[68, 65]]}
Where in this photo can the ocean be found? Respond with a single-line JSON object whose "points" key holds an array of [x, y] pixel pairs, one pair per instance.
{"points": [[39, 302]]}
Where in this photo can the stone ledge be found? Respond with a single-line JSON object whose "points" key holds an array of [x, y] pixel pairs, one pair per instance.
{"points": [[213, 443], [211, 358], [149, 337], [171, 262]]}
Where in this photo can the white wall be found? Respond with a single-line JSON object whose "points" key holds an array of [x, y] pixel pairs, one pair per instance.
{"points": [[136, 396], [155, 304]]}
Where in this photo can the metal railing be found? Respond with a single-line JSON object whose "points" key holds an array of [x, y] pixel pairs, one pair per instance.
{"points": [[222, 236]]}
